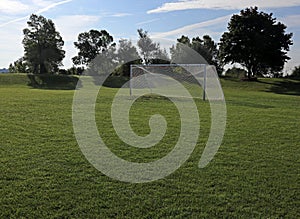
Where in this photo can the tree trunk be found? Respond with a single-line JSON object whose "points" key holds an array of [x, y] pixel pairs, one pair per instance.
{"points": [[249, 74], [249, 68], [42, 68]]}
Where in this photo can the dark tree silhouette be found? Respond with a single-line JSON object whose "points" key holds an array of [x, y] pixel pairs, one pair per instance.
{"points": [[90, 44], [255, 40], [42, 45]]}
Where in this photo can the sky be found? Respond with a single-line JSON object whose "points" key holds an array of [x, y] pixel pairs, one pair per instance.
{"points": [[165, 20]]}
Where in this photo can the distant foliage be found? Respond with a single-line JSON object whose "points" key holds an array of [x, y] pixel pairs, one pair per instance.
{"points": [[150, 51], [75, 70], [296, 72], [236, 73], [127, 55], [206, 47]]}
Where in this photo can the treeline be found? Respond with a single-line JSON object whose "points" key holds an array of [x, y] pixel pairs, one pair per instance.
{"points": [[44, 52], [254, 39]]}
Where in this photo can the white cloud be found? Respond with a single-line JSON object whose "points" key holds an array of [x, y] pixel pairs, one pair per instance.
{"points": [[53, 5], [292, 20], [223, 4], [213, 28], [69, 31], [12, 7], [13, 21], [147, 22], [42, 3], [17, 7], [120, 15], [47, 5], [221, 21], [12, 44]]}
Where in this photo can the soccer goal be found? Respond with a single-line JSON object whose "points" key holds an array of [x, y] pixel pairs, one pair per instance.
{"points": [[169, 77]]}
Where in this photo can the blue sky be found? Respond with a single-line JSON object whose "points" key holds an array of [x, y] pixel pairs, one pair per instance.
{"points": [[166, 20]]}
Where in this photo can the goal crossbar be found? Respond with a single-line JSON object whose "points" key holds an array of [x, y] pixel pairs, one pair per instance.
{"points": [[193, 76]]}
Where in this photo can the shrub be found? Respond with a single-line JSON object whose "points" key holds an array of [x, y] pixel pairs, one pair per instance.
{"points": [[296, 72], [236, 72]]}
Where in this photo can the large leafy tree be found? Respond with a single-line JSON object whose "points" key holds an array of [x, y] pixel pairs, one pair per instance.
{"points": [[256, 41], [91, 44], [43, 45]]}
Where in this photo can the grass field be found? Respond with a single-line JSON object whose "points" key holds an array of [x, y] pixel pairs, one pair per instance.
{"points": [[255, 174]]}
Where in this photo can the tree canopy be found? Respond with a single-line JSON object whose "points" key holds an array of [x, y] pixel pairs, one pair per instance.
{"points": [[19, 66], [90, 44], [150, 51], [206, 47], [42, 45], [256, 41], [296, 72], [127, 55]]}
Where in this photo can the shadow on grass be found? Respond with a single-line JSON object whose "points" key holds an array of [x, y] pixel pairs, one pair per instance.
{"points": [[69, 82], [53, 82], [248, 104], [284, 86]]}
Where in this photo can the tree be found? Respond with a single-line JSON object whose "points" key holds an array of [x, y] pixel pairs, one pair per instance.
{"points": [[296, 72], [179, 53], [75, 70], [206, 47], [127, 51], [150, 51], [127, 55], [256, 41], [236, 72], [19, 66], [91, 44], [212, 47], [42, 45]]}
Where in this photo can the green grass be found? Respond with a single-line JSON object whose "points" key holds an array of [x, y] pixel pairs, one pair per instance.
{"points": [[255, 174]]}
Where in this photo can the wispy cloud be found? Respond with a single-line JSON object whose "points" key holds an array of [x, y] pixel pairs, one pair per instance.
{"points": [[120, 15], [13, 21], [147, 22], [186, 29], [222, 4], [39, 11], [47, 8], [12, 7], [70, 29], [291, 20]]}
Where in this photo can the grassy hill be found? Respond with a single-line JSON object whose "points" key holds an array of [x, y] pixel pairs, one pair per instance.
{"points": [[255, 173]]}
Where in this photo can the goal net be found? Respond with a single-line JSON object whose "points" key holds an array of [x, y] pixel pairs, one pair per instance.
{"points": [[170, 78]]}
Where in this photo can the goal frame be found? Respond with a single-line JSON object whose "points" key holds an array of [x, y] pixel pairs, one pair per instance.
{"points": [[171, 65]]}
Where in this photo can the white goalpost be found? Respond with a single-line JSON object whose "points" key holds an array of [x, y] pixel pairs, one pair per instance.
{"points": [[154, 77]]}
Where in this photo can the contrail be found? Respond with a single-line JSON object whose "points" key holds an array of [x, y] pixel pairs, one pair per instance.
{"points": [[37, 12]]}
